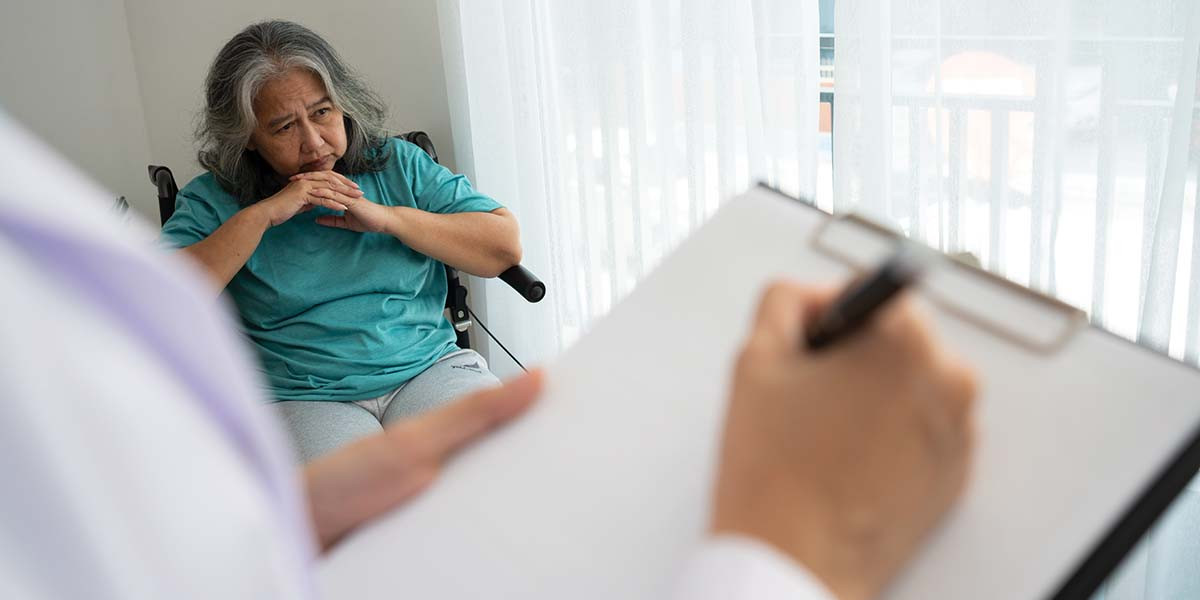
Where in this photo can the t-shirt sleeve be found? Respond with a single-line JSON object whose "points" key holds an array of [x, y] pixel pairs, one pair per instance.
{"points": [[194, 219], [436, 189]]}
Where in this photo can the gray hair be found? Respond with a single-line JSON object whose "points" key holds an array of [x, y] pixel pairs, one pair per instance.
{"points": [[255, 56]]}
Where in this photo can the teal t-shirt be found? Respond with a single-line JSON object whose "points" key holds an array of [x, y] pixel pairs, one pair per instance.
{"points": [[337, 314]]}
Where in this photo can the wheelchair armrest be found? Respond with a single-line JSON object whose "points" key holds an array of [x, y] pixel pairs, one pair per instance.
{"points": [[519, 278], [524, 282]]}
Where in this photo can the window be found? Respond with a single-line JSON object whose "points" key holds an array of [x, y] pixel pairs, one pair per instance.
{"points": [[825, 126]]}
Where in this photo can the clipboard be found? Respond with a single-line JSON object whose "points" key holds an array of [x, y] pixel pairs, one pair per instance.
{"points": [[603, 490]]}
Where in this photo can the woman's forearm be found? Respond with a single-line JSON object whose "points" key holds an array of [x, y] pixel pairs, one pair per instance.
{"points": [[227, 249], [479, 243]]}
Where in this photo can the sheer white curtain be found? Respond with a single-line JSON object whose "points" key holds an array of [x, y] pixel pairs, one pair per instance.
{"points": [[612, 129], [1057, 140]]}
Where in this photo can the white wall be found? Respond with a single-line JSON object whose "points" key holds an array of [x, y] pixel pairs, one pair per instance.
{"points": [[394, 45], [67, 73]]}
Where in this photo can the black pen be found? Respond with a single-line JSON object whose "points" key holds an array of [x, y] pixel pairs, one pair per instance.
{"points": [[863, 297]]}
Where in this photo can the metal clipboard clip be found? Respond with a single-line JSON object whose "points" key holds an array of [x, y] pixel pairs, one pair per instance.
{"points": [[1008, 310]]}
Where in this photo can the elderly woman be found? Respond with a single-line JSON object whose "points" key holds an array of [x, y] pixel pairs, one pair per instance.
{"points": [[329, 236]]}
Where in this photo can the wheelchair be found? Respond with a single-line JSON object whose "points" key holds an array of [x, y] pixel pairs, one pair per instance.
{"points": [[517, 277]]}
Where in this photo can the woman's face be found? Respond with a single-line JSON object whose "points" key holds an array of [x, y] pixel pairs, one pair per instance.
{"points": [[299, 129]]}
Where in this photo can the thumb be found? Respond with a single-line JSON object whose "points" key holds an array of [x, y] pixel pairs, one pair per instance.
{"points": [[446, 430]]}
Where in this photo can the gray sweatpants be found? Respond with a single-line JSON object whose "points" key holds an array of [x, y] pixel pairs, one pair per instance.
{"points": [[319, 427]]}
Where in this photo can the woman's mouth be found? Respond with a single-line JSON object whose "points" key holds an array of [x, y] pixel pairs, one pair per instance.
{"points": [[323, 164]]}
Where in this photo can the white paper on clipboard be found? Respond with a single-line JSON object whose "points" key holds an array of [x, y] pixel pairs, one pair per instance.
{"points": [[602, 490]]}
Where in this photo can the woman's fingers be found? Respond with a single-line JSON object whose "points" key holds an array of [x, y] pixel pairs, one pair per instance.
{"points": [[325, 200], [334, 184], [346, 200], [330, 183], [332, 177], [334, 221]]}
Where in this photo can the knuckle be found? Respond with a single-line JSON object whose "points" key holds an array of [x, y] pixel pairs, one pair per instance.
{"points": [[773, 297], [751, 357], [911, 333], [774, 287], [777, 289], [769, 291], [745, 360]]}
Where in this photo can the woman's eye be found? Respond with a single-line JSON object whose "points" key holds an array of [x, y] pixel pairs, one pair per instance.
{"points": [[322, 112], [285, 128]]}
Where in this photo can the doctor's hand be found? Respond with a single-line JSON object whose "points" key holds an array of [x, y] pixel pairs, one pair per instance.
{"points": [[843, 458], [378, 473]]}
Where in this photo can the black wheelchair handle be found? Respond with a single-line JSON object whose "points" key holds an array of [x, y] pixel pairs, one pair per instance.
{"points": [[526, 283], [162, 178]]}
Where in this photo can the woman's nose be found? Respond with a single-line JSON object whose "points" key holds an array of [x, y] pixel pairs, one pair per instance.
{"points": [[311, 140]]}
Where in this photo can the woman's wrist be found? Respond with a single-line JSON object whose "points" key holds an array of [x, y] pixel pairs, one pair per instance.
{"points": [[257, 215]]}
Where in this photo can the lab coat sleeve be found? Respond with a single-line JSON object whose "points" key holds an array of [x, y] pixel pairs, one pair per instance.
{"points": [[740, 568]]}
